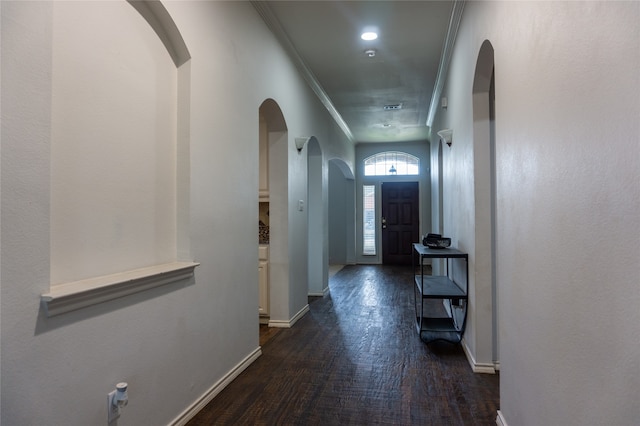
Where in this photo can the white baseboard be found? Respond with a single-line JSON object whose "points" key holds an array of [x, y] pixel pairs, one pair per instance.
{"points": [[500, 421], [292, 321], [214, 390], [483, 368], [325, 291]]}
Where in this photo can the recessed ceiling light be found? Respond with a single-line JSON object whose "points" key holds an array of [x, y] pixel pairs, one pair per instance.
{"points": [[369, 33]]}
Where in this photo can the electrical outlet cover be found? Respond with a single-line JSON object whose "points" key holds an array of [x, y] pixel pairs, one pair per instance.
{"points": [[113, 411]]}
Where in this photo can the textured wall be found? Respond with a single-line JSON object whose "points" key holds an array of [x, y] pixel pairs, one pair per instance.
{"points": [[172, 343], [568, 246]]}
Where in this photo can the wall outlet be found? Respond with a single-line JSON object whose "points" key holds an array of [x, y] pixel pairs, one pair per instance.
{"points": [[113, 410]]}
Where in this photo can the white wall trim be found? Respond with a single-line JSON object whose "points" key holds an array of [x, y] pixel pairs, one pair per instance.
{"points": [[292, 321], [445, 58], [276, 27], [201, 402], [159, 19], [500, 421], [486, 368], [74, 295], [325, 291]]}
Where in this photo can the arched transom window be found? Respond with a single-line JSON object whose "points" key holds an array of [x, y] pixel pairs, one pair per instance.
{"points": [[391, 163]]}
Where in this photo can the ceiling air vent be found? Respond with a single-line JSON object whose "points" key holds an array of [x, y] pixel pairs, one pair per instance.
{"points": [[392, 107]]}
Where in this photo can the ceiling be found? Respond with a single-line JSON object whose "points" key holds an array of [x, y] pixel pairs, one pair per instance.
{"points": [[323, 38]]}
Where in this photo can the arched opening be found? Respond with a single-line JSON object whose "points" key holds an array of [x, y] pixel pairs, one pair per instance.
{"points": [[485, 324], [437, 265], [273, 137], [318, 272], [440, 189], [342, 210]]}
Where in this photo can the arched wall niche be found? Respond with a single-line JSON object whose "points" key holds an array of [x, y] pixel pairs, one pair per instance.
{"points": [[484, 332], [159, 19], [120, 102]]}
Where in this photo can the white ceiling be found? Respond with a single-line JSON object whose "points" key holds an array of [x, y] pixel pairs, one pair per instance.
{"points": [[323, 37]]}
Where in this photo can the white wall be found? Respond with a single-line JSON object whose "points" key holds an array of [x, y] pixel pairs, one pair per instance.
{"points": [[567, 161], [173, 343]]}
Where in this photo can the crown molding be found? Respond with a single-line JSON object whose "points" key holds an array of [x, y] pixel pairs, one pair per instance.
{"points": [[445, 58], [275, 26]]}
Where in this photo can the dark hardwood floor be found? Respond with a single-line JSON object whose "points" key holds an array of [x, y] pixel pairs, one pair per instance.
{"points": [[356, 359]]}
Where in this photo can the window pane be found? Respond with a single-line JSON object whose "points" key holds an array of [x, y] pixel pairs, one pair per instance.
{"points": [[369, 220], [391, 163]]}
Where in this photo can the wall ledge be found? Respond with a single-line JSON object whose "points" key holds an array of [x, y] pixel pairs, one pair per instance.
{"points": [[74, 295]]}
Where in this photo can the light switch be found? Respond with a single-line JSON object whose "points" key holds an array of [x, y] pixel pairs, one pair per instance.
{"points": [[300, 205]]}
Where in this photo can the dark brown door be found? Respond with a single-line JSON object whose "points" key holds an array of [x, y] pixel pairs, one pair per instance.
{"points": [[400, 221]]}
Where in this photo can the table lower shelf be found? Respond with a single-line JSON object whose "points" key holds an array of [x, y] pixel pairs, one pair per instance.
{"points": [[438, 287], [431, 329]]}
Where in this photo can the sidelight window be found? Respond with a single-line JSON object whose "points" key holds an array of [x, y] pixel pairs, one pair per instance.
{"points": [[369, 220]]}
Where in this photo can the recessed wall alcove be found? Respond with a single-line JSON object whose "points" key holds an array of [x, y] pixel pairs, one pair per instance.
{"points": [[483, 339], [119, 213]]}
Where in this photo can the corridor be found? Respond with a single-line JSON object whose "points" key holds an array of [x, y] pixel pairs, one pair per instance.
{"points": [[356, 359]]}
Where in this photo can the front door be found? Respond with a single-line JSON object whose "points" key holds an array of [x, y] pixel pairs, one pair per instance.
{"points": [[400, 221]]}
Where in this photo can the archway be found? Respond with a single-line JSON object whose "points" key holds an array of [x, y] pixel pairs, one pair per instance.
{"points": [[486, 332], [342, 213], [440, 189], [275, 135], [318, 272]]}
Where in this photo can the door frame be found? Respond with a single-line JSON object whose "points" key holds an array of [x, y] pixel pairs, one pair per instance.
{"points": [[415, 186], [420, 149]]}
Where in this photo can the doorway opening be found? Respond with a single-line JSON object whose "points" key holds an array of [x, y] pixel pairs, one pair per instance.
{"points": [[273, 282], [341, 213], [317, 211]]}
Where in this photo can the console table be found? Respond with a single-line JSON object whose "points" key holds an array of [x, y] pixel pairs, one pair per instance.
{"points": [[429, 324]]}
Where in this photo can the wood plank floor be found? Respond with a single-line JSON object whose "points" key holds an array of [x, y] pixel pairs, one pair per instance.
{"points": [[356, 359]]}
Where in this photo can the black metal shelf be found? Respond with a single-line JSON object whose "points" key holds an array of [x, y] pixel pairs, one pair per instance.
{"points": [[439, 287], [430, 325]]}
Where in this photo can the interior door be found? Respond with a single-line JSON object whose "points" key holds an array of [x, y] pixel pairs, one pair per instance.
{"points": [[400, 221]]}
